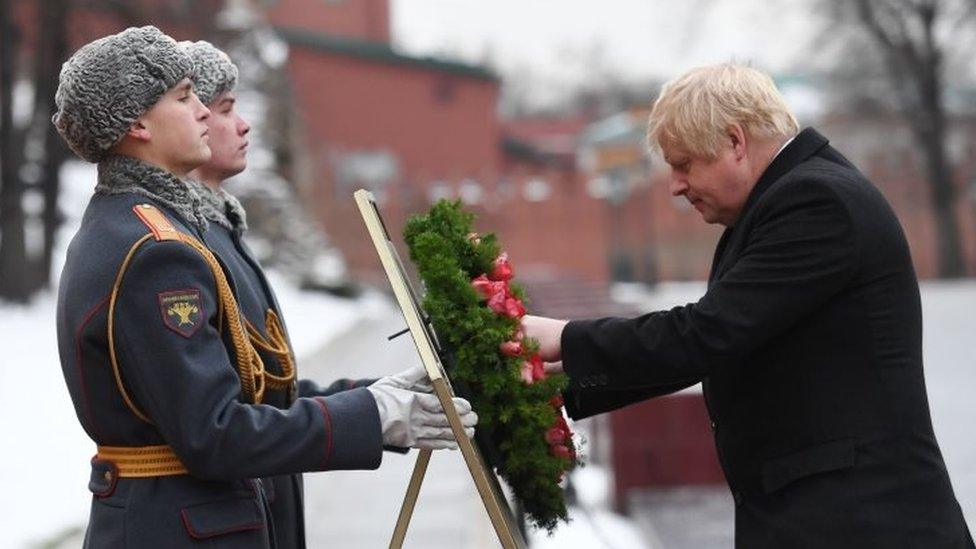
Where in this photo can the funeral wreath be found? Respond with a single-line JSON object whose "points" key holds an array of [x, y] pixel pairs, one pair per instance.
{"points": [[476, 308]]}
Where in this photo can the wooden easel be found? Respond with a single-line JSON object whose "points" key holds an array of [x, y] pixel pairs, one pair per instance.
{"points": [[429, 349]]}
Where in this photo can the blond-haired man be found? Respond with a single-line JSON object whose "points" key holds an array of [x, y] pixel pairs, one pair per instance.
{"points": [[808, 340]]}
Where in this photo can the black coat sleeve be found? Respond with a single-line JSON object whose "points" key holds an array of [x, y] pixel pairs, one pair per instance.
{"points": [[800, 252], [188, 386], [581, 403]]}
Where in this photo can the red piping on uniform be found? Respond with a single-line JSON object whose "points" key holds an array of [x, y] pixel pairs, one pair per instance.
{"points": [[78, 357], [328, 428], [195, 535]]}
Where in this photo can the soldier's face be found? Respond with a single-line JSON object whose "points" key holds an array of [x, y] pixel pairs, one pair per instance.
{"points": [[228, 139], [716, 187], [177, 129]]}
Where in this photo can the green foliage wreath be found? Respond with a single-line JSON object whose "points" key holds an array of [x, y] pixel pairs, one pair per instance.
{"points": [[476, 312]]}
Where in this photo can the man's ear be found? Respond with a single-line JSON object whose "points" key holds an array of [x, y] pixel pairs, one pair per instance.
{"points": [[737, 137], [138, 131]]}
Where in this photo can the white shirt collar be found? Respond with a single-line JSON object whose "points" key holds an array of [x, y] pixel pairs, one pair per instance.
{"points": [[788, 141]]}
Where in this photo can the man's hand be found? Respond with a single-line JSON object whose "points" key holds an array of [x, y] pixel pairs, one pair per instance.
{"points": [[416, 419], [549, 333]]}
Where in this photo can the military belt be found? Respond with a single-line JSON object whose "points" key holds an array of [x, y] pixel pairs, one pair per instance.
{"points": [[142, 461]]}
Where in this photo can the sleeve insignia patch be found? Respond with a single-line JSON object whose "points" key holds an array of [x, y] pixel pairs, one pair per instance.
{"points": [[182, 311]]}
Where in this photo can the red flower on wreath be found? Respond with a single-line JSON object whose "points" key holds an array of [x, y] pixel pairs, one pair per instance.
{"points": [[555, 435], [494, 289], [497, 301], [483, 286], [511, 348], [562, 451], [513, 307], [501, 269], [532, 370], [499, 297], [538, 369]]}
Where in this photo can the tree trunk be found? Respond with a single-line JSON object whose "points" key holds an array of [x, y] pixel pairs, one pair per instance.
{"points": [[941, 189], [51, 54], [14, 277], [931, 135]]}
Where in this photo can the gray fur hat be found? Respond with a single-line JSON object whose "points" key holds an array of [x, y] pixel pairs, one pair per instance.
{"points": [[213, 71], [109, 83]]}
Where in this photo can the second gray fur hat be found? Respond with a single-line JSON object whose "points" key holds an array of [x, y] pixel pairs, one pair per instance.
{"points": [[213, 71], [109, 83]]}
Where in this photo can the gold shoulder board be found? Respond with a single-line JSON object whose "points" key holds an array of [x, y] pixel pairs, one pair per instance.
{"points": [[161, 227]]}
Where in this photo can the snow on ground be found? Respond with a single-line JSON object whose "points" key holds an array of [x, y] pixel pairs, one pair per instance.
{"points": [[592, 524]]}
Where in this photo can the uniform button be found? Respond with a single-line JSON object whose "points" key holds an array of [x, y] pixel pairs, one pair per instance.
{"points": [[108, 476], [712, 426], [603, 379]]}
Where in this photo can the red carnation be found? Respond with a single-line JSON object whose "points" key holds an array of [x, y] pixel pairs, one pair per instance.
{"points": [[560, 450], [538, 368], [555, 435], [511, 348], [497, 299], [502, 269], [482, 285], [514, 307]]}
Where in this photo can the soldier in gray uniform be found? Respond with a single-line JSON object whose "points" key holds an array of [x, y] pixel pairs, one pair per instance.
{"points": [[215, 77], [166, 371]]}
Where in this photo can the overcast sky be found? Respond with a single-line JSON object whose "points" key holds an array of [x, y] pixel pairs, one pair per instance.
{"points": [[641, 38]]}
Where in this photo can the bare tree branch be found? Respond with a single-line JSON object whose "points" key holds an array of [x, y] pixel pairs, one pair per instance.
{"points": [[905, 33]]}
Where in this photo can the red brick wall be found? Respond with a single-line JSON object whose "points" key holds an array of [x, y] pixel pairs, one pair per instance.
{"points": [[440, 126], [663, 442], [566, 235], [363, 19], [683, 242]]}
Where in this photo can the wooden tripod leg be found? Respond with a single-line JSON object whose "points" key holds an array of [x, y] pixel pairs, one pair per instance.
{"points": [[410, 499]]}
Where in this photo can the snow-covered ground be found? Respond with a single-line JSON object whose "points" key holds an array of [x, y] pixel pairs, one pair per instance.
{"points": [[592, 525]]}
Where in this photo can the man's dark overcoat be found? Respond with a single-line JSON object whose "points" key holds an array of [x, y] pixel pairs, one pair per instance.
{"points": [[809, 346]]}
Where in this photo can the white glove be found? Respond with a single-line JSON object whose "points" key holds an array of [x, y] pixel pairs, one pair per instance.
{"points": [[416, 419], [412, 379]]}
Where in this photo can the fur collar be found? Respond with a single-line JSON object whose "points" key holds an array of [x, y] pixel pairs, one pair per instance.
{"points": [[123, 174], [221, 207]]}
